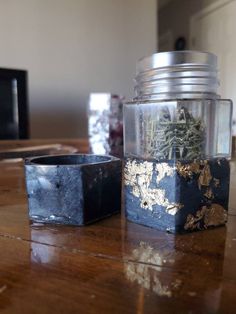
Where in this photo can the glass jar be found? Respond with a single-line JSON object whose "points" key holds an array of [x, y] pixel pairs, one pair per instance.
{"points": [[177, 146]]}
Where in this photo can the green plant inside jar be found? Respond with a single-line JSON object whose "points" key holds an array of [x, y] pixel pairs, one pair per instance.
{"points": [[181, 137]]}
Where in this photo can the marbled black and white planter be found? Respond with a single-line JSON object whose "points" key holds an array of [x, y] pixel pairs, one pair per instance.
{"points": [[73, 189]]}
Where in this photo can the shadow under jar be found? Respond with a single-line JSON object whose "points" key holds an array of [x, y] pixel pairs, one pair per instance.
{"points": [[177, 133]]}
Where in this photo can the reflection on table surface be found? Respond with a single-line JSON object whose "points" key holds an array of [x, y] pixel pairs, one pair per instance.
{"points": [[113, 266]]}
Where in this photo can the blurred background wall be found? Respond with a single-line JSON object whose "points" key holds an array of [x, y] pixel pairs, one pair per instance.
{"points": [[206, 25], [71, 48], [174, 18]]}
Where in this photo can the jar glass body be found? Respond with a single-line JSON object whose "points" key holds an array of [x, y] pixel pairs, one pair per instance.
{"points": [[178, 129]]}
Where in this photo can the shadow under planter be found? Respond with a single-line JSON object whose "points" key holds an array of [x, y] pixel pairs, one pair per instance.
{"points": [[73, 189]]}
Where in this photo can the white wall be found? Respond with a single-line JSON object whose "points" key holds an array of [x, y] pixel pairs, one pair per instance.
{"points": [[72, 48]]}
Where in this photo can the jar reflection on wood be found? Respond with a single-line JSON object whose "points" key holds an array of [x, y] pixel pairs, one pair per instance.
{"points": [[177, 144], [105, 124]]}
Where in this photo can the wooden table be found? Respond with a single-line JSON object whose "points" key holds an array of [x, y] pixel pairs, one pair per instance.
{"points": [[113, 266]]}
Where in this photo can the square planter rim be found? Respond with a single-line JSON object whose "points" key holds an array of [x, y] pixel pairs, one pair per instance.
{"points": [[33, 161]]}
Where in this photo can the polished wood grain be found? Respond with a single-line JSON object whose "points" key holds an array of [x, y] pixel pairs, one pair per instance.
{"points": [[112, 266], [80, 144]]}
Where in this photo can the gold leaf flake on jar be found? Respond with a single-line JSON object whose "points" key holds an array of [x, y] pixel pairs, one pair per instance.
{"points": [[212, 216], [215, 215], [173, 209], [209, 194], [139, 177], [187, 170], [205, 176], [163, 170]]}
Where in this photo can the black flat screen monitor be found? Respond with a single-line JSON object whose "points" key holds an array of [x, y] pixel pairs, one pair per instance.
{"points": [[13, 104]]}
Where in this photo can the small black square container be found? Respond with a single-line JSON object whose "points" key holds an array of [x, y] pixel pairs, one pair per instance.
{"points": [[73, 189]]}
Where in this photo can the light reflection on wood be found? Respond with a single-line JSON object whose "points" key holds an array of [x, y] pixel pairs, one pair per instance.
{"points": [[140, 305]]}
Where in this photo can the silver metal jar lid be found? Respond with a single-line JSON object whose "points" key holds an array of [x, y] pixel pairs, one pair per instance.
{"points": [[177, 74]]}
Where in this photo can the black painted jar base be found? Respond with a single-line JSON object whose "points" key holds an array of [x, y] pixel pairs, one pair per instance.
{"points": [[177, 196], [73, 189]]}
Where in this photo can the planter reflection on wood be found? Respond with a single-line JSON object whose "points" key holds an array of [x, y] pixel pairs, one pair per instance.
{"points": [[73, 189]]}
